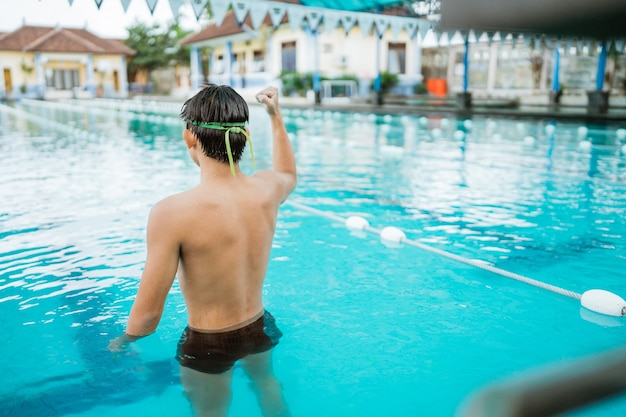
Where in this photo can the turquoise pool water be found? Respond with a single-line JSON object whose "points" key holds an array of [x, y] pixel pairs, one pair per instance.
{"points": [[370, 330]]}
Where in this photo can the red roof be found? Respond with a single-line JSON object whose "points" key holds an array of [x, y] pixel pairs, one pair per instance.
{"points": [[50, 39]]}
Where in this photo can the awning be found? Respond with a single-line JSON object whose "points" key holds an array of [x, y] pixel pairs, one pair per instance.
{"points": [[601, 19]]}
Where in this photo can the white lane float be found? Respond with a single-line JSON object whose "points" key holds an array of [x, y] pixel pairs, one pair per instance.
{"points": [[356, 223], [603, 302], [392, 234]]}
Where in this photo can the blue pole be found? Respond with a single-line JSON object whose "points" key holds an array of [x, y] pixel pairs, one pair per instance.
{"points": [[378, 83], [555, 75], [317, 79], [466, 65], [601, 68]]}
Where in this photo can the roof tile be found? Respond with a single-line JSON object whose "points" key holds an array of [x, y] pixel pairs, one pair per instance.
{"points": [[49, 39]]}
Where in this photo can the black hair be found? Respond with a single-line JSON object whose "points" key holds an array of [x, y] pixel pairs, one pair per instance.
{"points": [[216, 104]]}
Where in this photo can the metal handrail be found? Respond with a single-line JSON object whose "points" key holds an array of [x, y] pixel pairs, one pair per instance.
{"points": [[553, 390]]}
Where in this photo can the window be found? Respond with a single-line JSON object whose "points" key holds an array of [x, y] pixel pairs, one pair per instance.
{"points": [[288, 56], [258, 61], [63, 79], [396, 58]]}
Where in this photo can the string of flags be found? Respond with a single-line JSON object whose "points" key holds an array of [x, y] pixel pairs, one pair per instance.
{"points": [[315, 17], [330, 19]]}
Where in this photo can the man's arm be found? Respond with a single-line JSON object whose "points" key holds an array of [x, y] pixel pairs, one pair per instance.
{"points": [[283, 158], [157, 277]]}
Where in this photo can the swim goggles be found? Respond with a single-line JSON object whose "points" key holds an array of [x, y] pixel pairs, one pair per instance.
{"points": [[236, 127]]}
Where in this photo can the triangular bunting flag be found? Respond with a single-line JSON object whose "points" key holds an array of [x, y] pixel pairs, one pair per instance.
{"points": [[151, 5], [396, 25], [70, 1], [175, 5], [423, 27], [277, 12], [471, 36], [451, 35], [381, 23], [296, 16], [241, 10], [218, 7], [347, 21], [258, 11], [514, 39], [411, 28], [125, 4], [98, 3], [313, 17], [331, 20], [365, 23]]}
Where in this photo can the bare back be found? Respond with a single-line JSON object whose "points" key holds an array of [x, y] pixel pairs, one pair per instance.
{"points": [[216, 237], [225, 234]]}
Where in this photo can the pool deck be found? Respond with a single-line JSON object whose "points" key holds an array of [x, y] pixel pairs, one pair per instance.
{"points": [[572, 108]]}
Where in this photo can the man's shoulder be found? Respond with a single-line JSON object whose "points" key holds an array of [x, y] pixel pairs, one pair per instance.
{"points": [[171, 203]]}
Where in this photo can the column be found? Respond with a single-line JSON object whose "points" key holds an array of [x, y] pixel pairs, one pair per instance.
{"points": [[598, 99], [41, 76], [123, 93], [317, 79], [196, 68], [555, 92], [91, 82], [493, 66], [417, 60], [228, 62], [464, 98]]}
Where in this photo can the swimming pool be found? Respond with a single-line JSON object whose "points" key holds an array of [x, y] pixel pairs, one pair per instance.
{"points": [[370, 329]]}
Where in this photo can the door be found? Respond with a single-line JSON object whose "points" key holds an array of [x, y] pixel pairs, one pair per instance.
{"points": [[8, 83]]}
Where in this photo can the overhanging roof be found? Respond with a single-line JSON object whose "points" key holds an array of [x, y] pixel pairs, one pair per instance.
{"points": [[600, 19]]}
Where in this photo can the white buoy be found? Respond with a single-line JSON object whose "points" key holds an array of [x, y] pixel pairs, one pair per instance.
{"points": [[444, 122], [392, 234], [356, 223], [436, 132], [621, 133], [459, 135], [603, 302], [387, 118], [529, 140], [624, 149], [584, 145], [423, 121], [468, 124], [582, 131], [550, 129]]}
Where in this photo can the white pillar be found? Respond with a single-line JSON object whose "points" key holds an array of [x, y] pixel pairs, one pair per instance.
{"points": [[417, 59], [91, 82], [123, 93], [547, 59], [196, 68], [493, 66], [228, 62], [269, 58]]}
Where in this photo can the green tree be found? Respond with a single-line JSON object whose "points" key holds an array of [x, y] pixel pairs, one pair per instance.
{"points": [[156, 47]]}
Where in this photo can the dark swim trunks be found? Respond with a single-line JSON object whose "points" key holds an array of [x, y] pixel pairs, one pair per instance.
{"points": [[217, 352]]}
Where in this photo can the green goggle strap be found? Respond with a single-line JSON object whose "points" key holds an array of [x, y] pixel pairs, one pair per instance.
{"points": [[237, 127]]}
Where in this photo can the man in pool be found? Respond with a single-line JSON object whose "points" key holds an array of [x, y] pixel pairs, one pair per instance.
{"points": [[217, 237]]}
